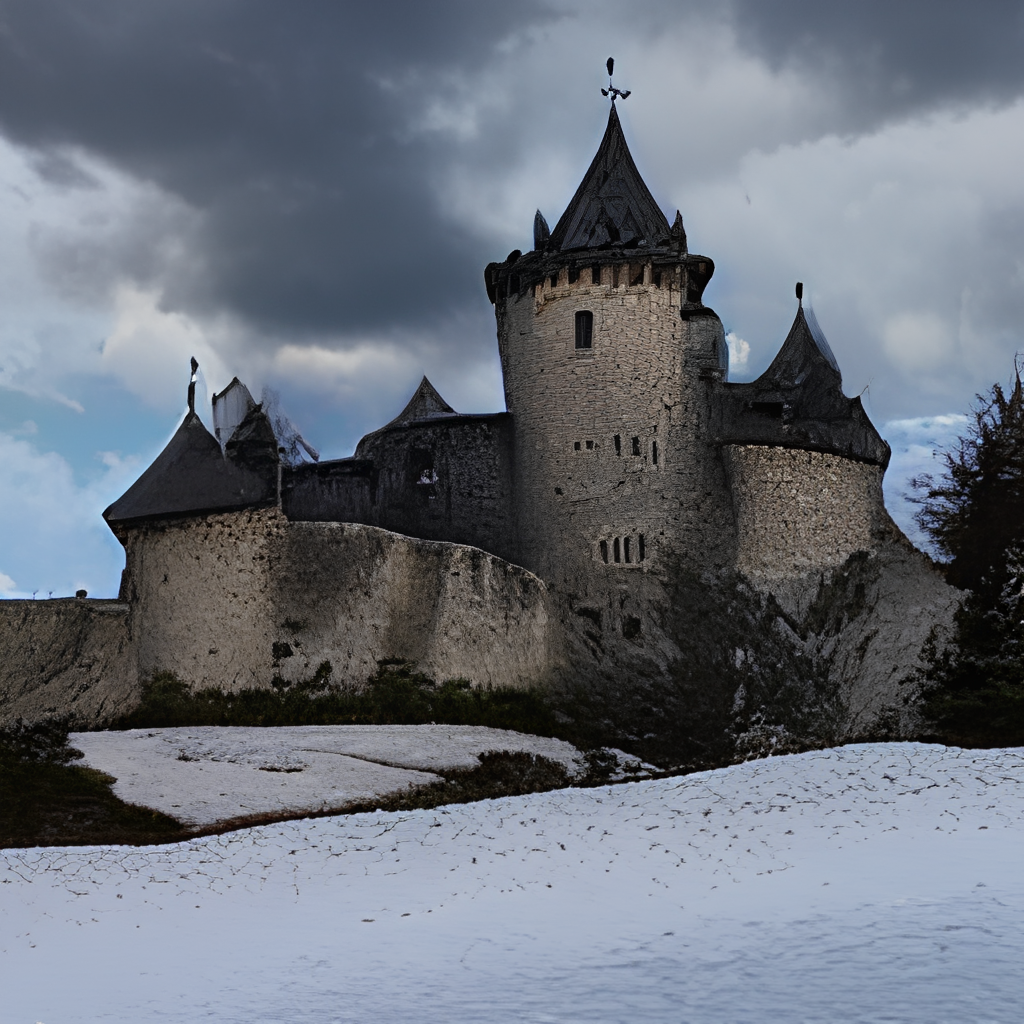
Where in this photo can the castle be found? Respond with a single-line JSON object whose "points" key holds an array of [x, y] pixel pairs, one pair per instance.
{"points": [[545, 541]]}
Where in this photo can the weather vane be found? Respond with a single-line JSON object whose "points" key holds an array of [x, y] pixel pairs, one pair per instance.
{"points": [[611, 90]]}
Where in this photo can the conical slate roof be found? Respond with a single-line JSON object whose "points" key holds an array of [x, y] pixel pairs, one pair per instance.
{"points": [[798, 402], [805, 357], [192, 476], [612, 206]]}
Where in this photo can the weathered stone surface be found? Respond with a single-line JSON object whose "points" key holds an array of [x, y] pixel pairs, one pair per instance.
{"points": [[65, 658], [235, 600], [800, 511]]}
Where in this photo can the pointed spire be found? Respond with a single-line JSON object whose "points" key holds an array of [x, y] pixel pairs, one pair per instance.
{"points": [[678, 233], [541, 231], [612, 206], [805, 354]]}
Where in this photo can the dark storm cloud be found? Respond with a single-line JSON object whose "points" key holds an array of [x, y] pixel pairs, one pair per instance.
{"points": [[890, 59], [286, 125]]}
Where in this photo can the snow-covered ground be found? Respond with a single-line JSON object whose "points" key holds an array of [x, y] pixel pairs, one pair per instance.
{"points": [[208, 774], [872, 883]]}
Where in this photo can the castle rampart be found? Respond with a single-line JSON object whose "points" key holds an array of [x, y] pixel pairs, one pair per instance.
{"points": [[239, 599]]}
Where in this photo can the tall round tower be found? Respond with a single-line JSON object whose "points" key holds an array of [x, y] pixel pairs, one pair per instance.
{"points": [[609, 356]]}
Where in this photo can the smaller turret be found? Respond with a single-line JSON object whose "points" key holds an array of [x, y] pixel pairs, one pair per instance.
{"points": [[798, 402]]}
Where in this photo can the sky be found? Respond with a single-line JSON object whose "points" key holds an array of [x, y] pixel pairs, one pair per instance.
{"points": [[305, 195]]}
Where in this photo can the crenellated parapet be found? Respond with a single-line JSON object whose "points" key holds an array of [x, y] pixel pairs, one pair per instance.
{"points": [[541, 273]]}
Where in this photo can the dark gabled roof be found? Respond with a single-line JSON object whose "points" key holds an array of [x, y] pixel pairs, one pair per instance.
{"points": [[612, 206], [192, 476], [426, 403], [798, 402]]}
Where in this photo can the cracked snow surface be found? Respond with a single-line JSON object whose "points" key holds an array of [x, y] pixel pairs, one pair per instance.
{"points": [[210, 774], [870, 883]]}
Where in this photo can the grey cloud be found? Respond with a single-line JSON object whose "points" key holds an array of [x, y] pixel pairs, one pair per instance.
{"points": [[890, 60], [276, 123]]}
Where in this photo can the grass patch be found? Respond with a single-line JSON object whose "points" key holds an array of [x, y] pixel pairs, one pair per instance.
{"points": [[46, 800], [395, 695]]}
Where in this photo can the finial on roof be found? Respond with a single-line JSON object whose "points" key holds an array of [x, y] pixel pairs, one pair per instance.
{"points": [[678, 232], [192, 385], [541, 231], [800, 293], [611, 90]]}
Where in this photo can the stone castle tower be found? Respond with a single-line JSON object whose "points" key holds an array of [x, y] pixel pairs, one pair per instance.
{"points": [[606, 351]]}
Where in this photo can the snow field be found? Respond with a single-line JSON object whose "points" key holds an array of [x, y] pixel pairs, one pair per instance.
{"points": [[204, 775], [871, 883]]}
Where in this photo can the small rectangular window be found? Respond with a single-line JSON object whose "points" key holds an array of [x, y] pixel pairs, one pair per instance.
{"points": [[641, 553], [618, 444], [615, 550], [604, 551], [654, 452], [574, 275], [576, 446], [590, 446], [584, 328], [554, 280], [595, 273], [636, 445], [626, 552]]}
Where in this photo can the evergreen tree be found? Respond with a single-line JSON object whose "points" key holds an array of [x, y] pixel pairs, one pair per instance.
{"points": [[975, 511], [974, 515]]}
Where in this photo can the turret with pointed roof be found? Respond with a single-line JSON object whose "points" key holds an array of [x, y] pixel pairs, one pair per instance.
{"points": [[798, 402]]}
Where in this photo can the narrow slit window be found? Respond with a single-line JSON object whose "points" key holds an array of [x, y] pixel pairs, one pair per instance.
{"points": [[626, 550], [618, 444], [616, 554], [654, 452], [656, 278], [584, 329], [641, 548], [604, 551], [595, 274], [636, 445]]}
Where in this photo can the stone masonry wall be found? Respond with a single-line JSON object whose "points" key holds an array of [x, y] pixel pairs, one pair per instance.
{"points": [[609, 445], [445, 479], [65, 658], [235, 600], [798, 512]]}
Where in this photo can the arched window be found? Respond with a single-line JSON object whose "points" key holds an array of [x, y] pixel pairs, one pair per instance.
{"points": [[584, 329]]}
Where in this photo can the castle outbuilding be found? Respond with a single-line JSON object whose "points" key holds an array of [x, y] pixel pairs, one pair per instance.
{"points": [[546, 541]]}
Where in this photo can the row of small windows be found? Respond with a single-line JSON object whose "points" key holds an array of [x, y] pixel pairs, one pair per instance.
{"points": [[636, 449], [623, 550]]}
